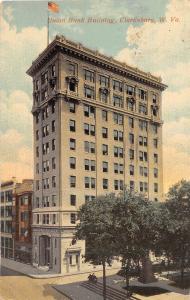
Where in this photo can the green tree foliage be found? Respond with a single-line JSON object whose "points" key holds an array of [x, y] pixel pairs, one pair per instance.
{"points": [[96, 227], [136, 229], [174, 238]]}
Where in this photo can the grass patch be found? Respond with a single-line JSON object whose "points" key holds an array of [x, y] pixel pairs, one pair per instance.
{"points": [[147, 290]]}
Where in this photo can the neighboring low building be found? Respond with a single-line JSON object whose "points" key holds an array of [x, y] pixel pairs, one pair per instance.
{"points": [[23, 221], [16, 219], [6, 217]]}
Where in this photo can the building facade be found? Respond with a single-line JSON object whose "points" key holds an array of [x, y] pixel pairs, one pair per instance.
{"points": [[7, 207], [97, 127], [23, 221]]}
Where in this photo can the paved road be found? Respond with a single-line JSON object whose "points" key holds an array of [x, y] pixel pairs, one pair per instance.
{"points": [[15, 286]]}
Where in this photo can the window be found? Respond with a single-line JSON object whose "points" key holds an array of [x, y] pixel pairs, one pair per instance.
{"points": [[37, 168], [143, 125], [131, 170], [89, 129], [131, 138], [89, 111], [53, 163], [72, 144], [131, 154], [105, 149], [143, 171], [155, 143], [53, 198], [44, 94], [143, 156], [104, 115], [90, 182], [117, 85], [155, 173], [73, 200], [105, 184], [24, 216], [53, 144], [44, 78], [37, 219], [155, 158], [156, 187], [54, 219], [45, 113], [104, 81], [132, 185], [118, 168], [37, 185], [104, 166], [73, 221], [104, 132], [142, 109], [89, 165], [37, 202], [45, 201], [45, 165], [130, 104], [89, 92], [118, 185], [53, 126], [154, 98], [143, 141], [71, 69], [117, 101], [72, 181], [72, 107], [118, 135], [37, 135], [130, 90], [142, 94], [53, 181], [72, 162], [143, 187], [89, 147], [118, 152], [37, 85], [131, 122], [89, 75], [72, 125], [53, 70], [118, 119], [45, 130], [104, 95], [53, 107], [37, 118], [89, 198], [72, 85], [155, 128]]}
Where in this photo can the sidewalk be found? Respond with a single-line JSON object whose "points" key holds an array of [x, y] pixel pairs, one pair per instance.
{"points": [[33, 272]]}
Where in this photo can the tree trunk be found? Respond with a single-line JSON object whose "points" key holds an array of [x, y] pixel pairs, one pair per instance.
{"points": [[182, 271], [104, 280], [147, 275]]}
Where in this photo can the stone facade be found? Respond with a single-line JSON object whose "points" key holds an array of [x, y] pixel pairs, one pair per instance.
{"points": [[97, 127]]}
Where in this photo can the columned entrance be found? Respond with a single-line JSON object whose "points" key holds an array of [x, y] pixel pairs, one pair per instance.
{"points": [[44, 250]]}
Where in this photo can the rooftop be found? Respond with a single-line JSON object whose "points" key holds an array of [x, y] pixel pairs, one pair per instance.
{"points": [[62, 43]]}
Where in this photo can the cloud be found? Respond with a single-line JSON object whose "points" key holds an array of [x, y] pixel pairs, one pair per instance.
{"points": [[163, 49], [17, 49], [107, 8]]}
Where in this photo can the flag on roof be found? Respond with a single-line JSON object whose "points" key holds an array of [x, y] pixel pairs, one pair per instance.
{"points": [[53, 7]]}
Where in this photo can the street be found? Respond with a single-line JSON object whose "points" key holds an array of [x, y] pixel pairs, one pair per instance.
{"points": [[15, 286]]}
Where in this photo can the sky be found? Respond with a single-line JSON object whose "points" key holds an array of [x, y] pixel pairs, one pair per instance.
{"points": [[160, 46]]}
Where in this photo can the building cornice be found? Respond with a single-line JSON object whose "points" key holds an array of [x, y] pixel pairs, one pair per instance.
{"points": [[77, 50]]}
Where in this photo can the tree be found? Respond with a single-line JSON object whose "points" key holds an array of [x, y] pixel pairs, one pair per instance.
{"points": [[96, 227], [137, 222], [175, 230]]}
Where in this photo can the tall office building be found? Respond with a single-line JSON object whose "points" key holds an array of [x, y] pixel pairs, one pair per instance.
{"points": [[97, 127]]}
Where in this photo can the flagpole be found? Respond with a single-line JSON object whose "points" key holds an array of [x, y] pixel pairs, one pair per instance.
{"points": [[48, 27]]}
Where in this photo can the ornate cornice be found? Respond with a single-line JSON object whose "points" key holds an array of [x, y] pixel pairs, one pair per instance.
{"points": [[77, 50]]}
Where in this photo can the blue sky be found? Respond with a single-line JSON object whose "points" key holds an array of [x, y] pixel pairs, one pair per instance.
{"points": [[161, 48]]}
